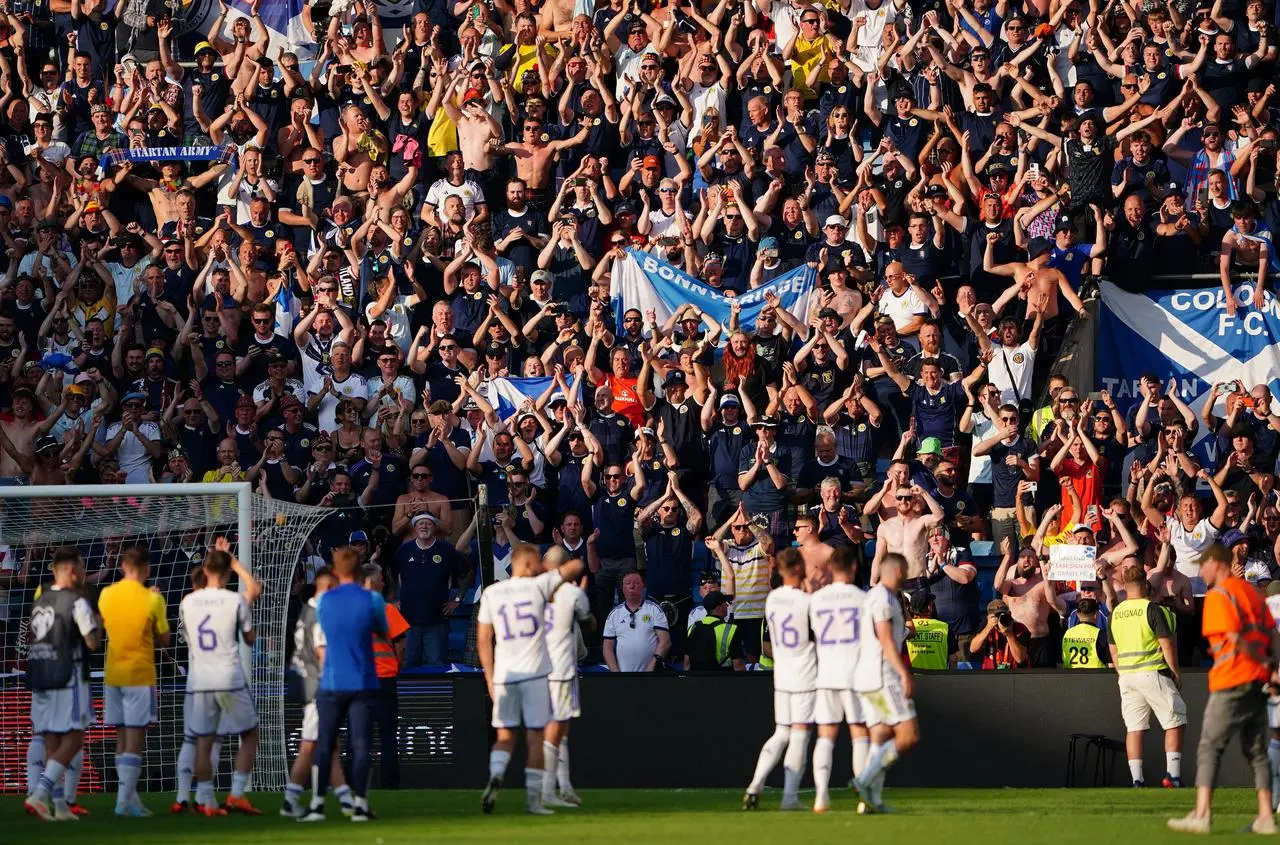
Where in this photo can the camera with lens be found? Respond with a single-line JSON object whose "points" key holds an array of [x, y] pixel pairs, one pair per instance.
{"points": [[1004, 618]]}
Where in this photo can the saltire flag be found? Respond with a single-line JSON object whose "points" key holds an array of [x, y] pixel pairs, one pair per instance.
{"points": [[648, 283], [1187, 335], [282, 18], [506, 395]]}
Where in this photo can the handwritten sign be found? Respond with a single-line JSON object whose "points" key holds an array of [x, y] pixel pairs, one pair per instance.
{"points": [[1072, 563]]}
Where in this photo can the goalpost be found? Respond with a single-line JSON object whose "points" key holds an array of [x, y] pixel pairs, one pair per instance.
{"points": [[177, 523]]}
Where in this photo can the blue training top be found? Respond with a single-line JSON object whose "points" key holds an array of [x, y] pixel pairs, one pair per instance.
{"points": [[349, 616]]}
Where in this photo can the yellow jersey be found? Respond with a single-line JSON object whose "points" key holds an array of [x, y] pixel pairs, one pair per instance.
{"points": [[132, 615]]}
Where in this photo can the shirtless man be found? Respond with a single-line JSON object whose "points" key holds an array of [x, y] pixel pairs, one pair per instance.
{"points": [[351, 149], [254, 50], [1246, 245], [167, 194], [1038, 283], [907, 533], [420, 498], [816, 554], [1022, 584], [555, 21], [883, 503], [535, 153], [478, 133], [21, 430]]}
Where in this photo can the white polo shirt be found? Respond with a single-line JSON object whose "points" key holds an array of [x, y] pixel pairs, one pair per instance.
{"points": [[635, 644]]}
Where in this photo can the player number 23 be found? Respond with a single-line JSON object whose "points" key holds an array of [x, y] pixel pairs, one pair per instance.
{"points": [[847, 624]]}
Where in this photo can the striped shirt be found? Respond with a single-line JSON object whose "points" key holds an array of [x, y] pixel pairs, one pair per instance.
{"points": [[751, 579]]}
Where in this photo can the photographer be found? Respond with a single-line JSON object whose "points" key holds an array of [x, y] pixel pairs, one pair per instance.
{"points": [[1002, 643]]}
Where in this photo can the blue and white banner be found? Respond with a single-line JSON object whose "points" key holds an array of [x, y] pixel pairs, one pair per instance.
{"points": [[1187, 335], [225, 154], [506, 395], [648, 283]]}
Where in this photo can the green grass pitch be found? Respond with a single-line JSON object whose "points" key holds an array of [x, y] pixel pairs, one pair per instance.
{"points": [[923, 817]]}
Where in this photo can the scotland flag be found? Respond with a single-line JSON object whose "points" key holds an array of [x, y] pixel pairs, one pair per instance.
{"points": [[1187, 335], [648, 283], [506, 395]]}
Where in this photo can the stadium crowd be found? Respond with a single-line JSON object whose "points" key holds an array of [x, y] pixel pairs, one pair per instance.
{"points": [[390, 220]]}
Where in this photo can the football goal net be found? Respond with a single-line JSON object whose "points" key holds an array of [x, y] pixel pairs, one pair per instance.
{"points": [[177, 524]]}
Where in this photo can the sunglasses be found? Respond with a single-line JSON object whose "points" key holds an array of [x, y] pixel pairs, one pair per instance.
{"points": [[1009, 419], [1068, 400], [809, 20], [447, 347], [312, 160], [323, 447], [261, 321], [744, 526], [223, 363], [419, 476], [733, 217]]}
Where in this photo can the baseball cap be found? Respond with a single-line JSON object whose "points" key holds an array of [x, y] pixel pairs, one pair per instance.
{"points": [[714, 599], [996, 167], [422, 517], [472, 94], [541, 276], [766, 421], [652, 161], [358, 537], [1062, 224], [558, 399], [155, 352], [663, 99], [829, 312], [202, 46], [935, 192], [768, 243], [710, 576], [644, 432], [1038, 247], [930, 446], [45, 442], [674, 378], [1232, 536], [712, 258], [138, 396], [729, 399], [836, 220]]}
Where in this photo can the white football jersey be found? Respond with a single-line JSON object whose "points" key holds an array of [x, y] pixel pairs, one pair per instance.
{"points": [[516, 608], [873, 666], [566, 609], [213, 621], [835, 615], [795, 665]]}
